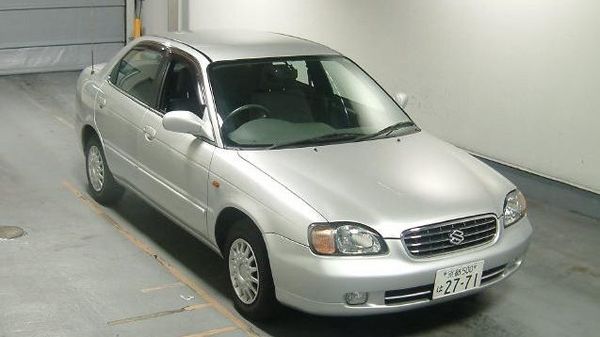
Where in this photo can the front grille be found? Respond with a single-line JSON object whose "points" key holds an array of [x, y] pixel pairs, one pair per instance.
{"points": [[431, 240]]}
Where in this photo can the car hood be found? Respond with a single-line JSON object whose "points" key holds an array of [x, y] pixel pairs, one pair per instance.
{"points": [[388, 184]]}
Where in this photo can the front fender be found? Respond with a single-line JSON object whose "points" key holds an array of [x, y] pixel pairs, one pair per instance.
{"points": [[272, 207]]}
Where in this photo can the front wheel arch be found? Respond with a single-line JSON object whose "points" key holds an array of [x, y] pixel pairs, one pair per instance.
{"points": [[264, 304], [228, 217]]}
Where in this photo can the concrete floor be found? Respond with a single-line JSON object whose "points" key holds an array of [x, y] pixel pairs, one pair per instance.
{"points": [[86, 270]]}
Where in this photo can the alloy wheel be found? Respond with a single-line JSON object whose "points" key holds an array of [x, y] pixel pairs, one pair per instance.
{"points": [[243, 271], [95, 168]]}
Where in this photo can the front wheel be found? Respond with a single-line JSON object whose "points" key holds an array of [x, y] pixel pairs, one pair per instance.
{"points": [[249, 273], [102, 185]]}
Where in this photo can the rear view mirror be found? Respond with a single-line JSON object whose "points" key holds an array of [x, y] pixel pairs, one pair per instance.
{"points": [[185, 122], [402, 99]]}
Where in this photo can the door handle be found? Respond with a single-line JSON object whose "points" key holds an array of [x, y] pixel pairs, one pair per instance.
{"points": [[101, 102], [149, 133]]}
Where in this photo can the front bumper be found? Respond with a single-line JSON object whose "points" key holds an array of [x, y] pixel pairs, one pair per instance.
{"points": [[318, 284]]}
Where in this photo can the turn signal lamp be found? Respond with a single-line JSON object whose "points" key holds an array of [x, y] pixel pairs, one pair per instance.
{"points": [[322, 239]]}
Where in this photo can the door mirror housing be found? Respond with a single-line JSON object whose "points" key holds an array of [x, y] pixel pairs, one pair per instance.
{"points": [[186, 122], [402, 99]]}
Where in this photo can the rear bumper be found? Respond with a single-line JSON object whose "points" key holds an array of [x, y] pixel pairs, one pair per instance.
{"points": [[318, 284]]}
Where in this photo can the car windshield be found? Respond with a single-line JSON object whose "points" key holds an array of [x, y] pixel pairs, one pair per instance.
{"points": [[301, 101]]}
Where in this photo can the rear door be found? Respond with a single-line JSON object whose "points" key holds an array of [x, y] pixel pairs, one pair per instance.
{"points": [[123, 101], [177, 164]]}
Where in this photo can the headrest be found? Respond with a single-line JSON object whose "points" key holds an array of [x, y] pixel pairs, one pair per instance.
{"points": [[278, 76]]}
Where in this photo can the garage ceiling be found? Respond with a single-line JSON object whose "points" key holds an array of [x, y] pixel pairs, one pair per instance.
{"points": [[56, 35]]}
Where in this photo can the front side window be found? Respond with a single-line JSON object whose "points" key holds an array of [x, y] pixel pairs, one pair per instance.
{"points": [[181, 87], [138, 74], [291, 102]]}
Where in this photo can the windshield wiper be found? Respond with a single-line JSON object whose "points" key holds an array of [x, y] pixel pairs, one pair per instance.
{"points": [[387, 131], [329, 138]]}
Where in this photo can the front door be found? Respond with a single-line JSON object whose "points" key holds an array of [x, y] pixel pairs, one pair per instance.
{"points": [[177, 164]]}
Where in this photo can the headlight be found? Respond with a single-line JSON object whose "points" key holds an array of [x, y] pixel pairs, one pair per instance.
{"points": [[515, 207], [343, 238]]}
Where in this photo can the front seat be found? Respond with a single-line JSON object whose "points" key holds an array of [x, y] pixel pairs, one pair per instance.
{"points": [[182, 93], [278, 91]]}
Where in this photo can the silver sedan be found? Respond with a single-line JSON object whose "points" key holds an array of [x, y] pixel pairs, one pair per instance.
{"points": [[292, 163]]}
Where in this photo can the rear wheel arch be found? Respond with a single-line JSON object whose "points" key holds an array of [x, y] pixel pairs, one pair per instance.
{"points": [[102, 185], [87, 132]]}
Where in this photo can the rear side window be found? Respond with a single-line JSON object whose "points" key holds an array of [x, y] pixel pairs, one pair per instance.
{"points": [[138, 74]]}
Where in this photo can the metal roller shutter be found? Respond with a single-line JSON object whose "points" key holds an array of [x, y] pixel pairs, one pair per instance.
{"points": [[55, 35]]}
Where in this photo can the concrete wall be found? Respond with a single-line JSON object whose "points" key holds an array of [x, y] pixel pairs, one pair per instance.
{"points": [[512, 80]]}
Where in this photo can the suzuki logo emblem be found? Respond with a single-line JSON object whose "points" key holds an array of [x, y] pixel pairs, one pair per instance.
{"points": [[456, 237]]}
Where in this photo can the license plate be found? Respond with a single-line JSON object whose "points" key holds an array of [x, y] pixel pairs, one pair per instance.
{"points": [[454, 280]]}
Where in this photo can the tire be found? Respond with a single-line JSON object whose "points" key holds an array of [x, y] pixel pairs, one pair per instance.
{"points": [[101, 183], [260, 304]]}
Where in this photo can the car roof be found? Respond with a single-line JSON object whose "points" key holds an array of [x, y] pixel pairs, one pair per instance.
{"points": [[221, 45]]}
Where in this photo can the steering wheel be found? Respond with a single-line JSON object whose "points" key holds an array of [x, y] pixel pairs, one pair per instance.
{"points": [[235, 113]]}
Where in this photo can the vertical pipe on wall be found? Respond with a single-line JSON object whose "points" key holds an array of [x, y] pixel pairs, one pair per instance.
{"points": [[184, 18], [173, 15], [137, 21]]}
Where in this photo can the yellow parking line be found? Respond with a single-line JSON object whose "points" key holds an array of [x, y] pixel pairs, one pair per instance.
{"points": [[164, 286], [158, 314], [213, 332], [64, 122], [170, 268]]}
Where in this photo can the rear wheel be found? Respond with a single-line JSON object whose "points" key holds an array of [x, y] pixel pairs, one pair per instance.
{"points": [[250, 279], [102, 185]]}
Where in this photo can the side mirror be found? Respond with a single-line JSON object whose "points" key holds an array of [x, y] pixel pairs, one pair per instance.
{"points": [[402, 99], [185, 122]]}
